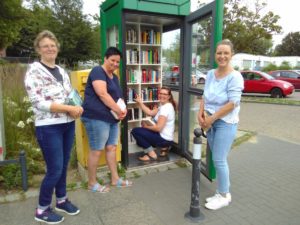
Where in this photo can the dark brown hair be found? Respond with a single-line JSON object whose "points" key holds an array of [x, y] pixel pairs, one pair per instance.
{"points": [[172, 101]]}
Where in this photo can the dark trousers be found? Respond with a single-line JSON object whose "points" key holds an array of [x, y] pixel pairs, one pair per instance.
{"points": [[146, 138], [56, 144]]}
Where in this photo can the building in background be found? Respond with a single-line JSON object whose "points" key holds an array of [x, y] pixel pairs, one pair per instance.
{"points": [[242, 61]]}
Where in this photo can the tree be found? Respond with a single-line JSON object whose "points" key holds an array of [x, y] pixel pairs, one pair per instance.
{"points": [[11, 21], [78, 37], [290, 45], [250, 31], [38, 18]]}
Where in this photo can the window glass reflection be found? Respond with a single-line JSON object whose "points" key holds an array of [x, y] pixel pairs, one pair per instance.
{"points": [[193, 124], [201, 40], [171, 58]]}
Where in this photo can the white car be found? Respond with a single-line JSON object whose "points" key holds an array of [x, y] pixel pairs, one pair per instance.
{"points": [[201, 77]]}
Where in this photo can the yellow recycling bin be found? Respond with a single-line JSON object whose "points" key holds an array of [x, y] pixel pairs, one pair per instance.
{"points": [[78, 80]]}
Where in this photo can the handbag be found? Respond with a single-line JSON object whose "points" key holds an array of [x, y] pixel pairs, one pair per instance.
{"points": [[74, 98]]}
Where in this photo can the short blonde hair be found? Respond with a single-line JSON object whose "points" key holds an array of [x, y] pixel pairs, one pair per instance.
{"points": [[42, 35], [226, 42]]}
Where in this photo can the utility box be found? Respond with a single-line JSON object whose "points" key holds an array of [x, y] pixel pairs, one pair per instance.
{"points": [[155, 36], [78, 80]]}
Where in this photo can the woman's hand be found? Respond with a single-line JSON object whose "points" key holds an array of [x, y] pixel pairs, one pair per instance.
{"points": [[123, 114], [138, 99], [75, 111]]}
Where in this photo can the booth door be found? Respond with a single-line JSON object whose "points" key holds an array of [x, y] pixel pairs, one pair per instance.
{"points": [[198, 59]]}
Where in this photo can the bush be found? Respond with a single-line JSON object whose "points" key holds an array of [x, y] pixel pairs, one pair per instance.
{"points": [[269, 67], [18, 126]]}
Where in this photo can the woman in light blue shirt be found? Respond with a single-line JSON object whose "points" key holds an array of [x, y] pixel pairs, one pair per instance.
{"points": [[219, 115]]}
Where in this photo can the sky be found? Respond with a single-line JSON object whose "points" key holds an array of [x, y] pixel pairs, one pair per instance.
{"points": [[288, 10]]}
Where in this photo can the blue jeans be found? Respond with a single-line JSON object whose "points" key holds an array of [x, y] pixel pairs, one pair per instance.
{"points": [[56, 144], [146, 138], [220, 138]]}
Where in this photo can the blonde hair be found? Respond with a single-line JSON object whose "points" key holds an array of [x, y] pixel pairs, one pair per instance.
{"points": [[226, 42], [42, 35]]}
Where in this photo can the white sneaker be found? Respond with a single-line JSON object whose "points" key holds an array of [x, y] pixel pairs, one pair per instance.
{"points": [[209, 199], [218, 202]]}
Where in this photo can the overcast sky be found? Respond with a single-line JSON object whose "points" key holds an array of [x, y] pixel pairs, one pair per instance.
{"points": [[288, 10]]}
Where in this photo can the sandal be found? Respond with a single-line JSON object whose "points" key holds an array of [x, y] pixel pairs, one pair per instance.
{"points": [[148, 159], [122, 183], [164, 152], [99, 188]]}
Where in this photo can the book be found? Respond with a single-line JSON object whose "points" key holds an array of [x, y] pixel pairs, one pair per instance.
{"points": [[148, 121], [122, 105], [74, 98]]}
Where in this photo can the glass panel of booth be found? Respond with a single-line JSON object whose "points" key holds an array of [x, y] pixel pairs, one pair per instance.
{"points": [[193, 124], [112, 36], [171, 57], [201, 52]]}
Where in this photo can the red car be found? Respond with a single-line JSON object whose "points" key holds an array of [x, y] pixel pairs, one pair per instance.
{"points": [[291, 76], [263, 83]]}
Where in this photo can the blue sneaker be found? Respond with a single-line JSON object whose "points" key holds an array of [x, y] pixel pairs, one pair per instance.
{"points": [[67, 207], [49, 217]]}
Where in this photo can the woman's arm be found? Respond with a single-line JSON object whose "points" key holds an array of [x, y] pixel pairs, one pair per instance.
{"points": [[223, 111], [145, 108], [101, 90], [73, 111], [161, 122]]}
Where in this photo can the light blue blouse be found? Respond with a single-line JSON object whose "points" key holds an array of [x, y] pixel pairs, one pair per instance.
{"points": [[218, 92]]}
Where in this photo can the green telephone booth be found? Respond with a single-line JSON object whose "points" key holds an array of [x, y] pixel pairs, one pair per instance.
{"points": [[163, 44]]}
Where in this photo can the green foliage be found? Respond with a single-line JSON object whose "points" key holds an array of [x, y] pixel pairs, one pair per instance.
{"points": [[10, 176], [79, 38], [269, 67], [239, 19], [19, 127], [11, 21], [285, 66], [290, 45]]}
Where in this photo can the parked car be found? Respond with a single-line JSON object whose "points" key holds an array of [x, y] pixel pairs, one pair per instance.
{"points": [[291, 76], [201, 77], [170, 78], [263, 83]]}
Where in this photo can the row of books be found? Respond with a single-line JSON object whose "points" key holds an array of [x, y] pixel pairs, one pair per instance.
{"points": [[151, 56], [132, 75], [131, 94], [133, 114], [150, 93], [150, 76], [132, 56], [147, 76], [150, 37], [131, 35], [147, 94]]}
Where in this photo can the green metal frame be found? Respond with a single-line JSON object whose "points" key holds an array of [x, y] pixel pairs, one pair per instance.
{"points": [[112, 14]]}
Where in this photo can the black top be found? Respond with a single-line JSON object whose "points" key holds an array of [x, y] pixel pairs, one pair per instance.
{"points": [[55, 72], [93, 107]]}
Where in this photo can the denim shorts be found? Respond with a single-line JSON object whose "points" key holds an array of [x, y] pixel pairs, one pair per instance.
{"points": [[100, 133]]}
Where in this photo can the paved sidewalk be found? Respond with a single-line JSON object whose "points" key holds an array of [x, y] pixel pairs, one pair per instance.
{"points": [[265, 188]]}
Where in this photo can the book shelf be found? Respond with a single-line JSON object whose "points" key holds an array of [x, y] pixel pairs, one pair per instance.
{"points": [[143, 71]]}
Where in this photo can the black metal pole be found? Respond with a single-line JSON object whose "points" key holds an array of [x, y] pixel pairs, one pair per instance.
{"points": [[195, 215], [22, 160]]}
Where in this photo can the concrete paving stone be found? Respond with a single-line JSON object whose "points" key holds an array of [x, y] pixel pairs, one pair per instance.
{"points": [[173, 166], [151, 170], [163, 168], [129, 215]]}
